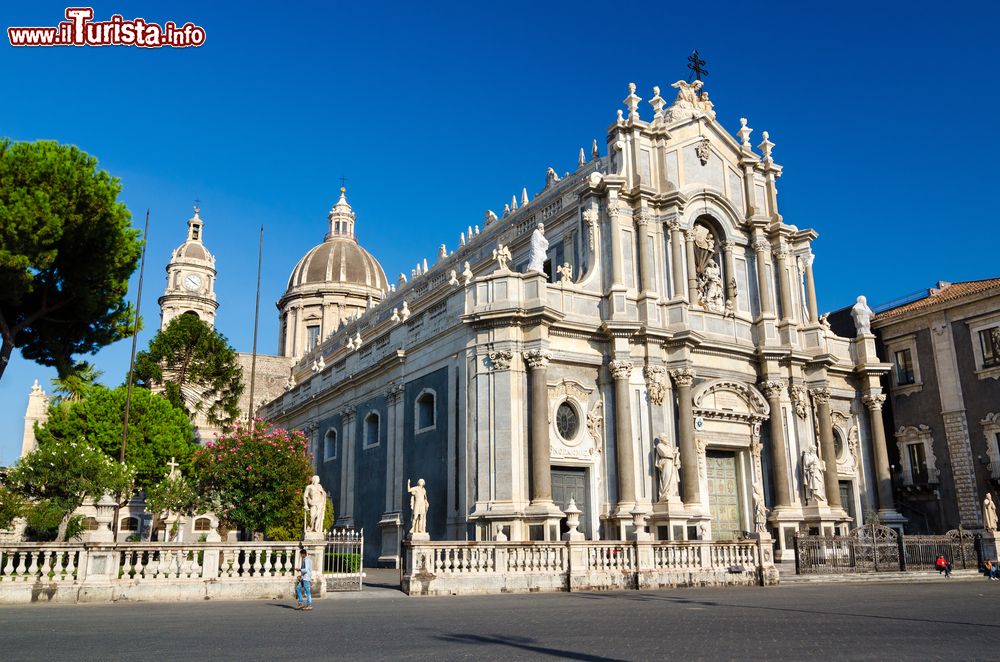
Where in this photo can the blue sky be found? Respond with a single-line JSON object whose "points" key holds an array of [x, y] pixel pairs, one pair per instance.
{"points": [[883, 116]]}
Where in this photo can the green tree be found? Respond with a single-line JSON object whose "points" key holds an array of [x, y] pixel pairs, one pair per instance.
{"points": [[189, 355], [67, 250], [64, 473], [12, 506], [76, 383], [257, 477], [157, 431]]}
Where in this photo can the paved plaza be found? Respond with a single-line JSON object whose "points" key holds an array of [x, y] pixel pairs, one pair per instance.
{"points": [[954, 620]]}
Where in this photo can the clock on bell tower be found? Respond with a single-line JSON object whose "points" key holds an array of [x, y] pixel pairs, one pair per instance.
{"points": [[190, 278]]}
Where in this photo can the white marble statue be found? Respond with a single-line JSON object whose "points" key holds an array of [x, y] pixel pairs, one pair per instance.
{"points": [[539, 246], [314, 501], [759, 510], [710, 287], [813, 469], [418, 506], [667, 459], [862, 316], [989, 513]]}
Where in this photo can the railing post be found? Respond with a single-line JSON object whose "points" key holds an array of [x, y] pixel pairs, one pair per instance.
{"points": [[210, 562], [902, 553], [795, 542]]}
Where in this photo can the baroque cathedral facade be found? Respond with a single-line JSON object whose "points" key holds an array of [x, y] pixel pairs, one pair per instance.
{"points": [[641, 337]]}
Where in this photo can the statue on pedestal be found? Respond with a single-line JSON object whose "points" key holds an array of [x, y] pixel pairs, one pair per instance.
{"points": [[667, 457], [314, 500], [418, 506], [539, 246], [759, 510], [862, 316], [813, 470], [989, 513]]}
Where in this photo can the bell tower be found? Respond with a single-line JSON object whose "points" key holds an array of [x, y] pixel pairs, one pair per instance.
{"points": [[190, 278]]}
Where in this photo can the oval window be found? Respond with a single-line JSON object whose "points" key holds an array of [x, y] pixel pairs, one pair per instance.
{"points": [[567, 421]]}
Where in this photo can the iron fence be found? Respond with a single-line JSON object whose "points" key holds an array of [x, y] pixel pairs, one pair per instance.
{"points": [[875, 548]]}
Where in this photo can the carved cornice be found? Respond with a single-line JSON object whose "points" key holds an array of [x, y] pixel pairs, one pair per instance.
{"points": [[620, 369], [673, 225], [643, 217], [683, 377], [537, 358], [349, 413], [874, 402], [773, 388], [394, 393]]}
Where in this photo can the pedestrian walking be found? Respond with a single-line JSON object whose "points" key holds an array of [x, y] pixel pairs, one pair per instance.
{"points": [[303, 587], [942, 565]]}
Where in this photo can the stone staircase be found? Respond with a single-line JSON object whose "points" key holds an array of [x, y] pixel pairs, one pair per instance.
{"points": [[789, 578]]}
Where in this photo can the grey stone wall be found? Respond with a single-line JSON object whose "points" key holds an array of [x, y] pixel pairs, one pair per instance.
{"points": [[425, 455]]}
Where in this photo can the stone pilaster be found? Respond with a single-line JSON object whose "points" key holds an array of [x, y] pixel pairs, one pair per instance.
{"points": [[821, 396], [773, 389], [621, 370], [690, 488], [956, 434], [537, 361]]}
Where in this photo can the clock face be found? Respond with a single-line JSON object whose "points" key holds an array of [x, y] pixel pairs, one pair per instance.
{"points": [[192, 282]]}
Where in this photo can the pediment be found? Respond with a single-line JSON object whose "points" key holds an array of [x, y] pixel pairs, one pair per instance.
{"points": [[723, 398]]}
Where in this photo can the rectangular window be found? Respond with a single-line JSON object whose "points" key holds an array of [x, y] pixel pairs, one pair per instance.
{"points": [[989, 339], [904, 368], [918, 462], [312, 337]]}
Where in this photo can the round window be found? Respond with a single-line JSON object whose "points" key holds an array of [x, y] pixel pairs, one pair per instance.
{"points": [[567, 421]]}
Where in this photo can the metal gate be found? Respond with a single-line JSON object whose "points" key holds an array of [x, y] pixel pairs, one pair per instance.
{"points": [[343, 560], [876, 548]]}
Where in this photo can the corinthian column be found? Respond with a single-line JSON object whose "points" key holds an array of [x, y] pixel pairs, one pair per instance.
{"points": [[692, 268], [616, 245], [690, 490], [821, 396], [779, 452], [624, 456], [645, 254], [677, 258], [874, 405], [761, 248], [807, 262], [538, 448], [783, 284]]}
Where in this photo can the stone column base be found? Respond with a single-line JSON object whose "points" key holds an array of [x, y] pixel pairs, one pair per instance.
{"points": [[542, 520], [824, 519], [786, 521], [892, 518]]}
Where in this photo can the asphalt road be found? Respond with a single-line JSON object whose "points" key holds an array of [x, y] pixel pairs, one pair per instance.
{"points": [[955, 620]]}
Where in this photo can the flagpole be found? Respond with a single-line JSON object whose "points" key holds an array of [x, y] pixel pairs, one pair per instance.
{"points": [[131, 363], [256, 318]]}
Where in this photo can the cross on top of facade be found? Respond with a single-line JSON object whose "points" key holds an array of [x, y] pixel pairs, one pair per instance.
{"points": [[696, 65]]}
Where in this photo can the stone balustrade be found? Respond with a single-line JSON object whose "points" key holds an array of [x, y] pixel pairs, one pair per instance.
{"points": [[101, 572], [468, 567]]}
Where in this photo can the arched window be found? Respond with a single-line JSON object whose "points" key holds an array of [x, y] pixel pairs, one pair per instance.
{"points": [[129, 524], [426, 411], [710, 267], [89, 524], [203, 524], [371, 430], [330, 445]]}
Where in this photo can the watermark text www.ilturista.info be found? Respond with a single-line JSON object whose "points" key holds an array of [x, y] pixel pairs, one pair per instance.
{"points": [[79, 29]]}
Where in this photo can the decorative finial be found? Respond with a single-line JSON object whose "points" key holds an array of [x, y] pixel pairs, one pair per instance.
{"points": [[745, 132], [632, 102], [766, 147], [197, 206], [513, 202], [524, 196], [657, 103], [593, 151], [582, 160]]}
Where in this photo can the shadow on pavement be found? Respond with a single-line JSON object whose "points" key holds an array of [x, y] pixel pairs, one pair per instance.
{"points": [[522, 643]]}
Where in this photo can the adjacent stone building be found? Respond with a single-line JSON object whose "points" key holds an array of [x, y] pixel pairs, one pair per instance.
{"points": [[641, 336], [944, 345]]}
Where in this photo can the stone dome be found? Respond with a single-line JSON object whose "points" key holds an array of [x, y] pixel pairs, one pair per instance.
{"points": [[193, 250], [339, 260]]}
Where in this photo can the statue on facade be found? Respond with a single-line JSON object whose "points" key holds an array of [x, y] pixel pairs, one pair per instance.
{"points": [[759, 510], [539, 246], [710, 287], [667, 459], [418, 506], [862, 316], [314, 501], [813, 470], [691, 101], [989, 513]]}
